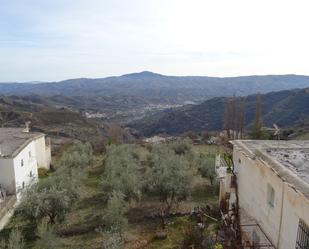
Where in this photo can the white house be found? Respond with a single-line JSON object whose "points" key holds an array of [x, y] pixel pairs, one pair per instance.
{"points": [[21, 154], [273, 192]]}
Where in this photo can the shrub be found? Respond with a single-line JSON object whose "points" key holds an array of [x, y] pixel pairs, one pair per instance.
{"points": [[47, 238], [113, 241], [218, 246], [181, 148], [42, 172], [15, 241], [193, 238]]}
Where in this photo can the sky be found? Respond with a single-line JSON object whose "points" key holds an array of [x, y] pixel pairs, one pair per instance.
{"points": [[52, 40]]}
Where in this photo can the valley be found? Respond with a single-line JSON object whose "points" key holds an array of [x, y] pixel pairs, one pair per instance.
{"points": [[138, 171], [154, 124], [149, 103]]}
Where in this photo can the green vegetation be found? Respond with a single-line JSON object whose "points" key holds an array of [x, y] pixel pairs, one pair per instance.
{"points": [[205, 167], [285, 108], [120, 199], [112, 240], [47, 237], [113, 218], [121, 171], [15, 241], [51, 198]]}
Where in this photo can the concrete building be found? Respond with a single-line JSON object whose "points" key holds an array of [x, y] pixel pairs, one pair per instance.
{"points": [[21, 154], [273, 192]]}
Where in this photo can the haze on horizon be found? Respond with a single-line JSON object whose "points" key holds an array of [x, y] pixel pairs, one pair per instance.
{"points": [[43, 40]]}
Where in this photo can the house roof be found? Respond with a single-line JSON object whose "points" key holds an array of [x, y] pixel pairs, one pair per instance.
{"points": [[288, 159], [13, 140]]}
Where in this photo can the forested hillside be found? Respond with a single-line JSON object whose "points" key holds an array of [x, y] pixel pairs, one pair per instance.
{"points": [[285, 108]]}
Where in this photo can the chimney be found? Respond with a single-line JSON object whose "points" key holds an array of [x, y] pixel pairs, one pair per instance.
{"points": [[27, 129]]}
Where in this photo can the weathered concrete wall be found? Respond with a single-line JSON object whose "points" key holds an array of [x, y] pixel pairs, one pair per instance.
{"points": [[295, 207], [253, 178]]}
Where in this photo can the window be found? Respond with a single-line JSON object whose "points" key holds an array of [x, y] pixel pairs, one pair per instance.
{"points": [[239, 160], [270, 195], [23, 185], [22, 162], [29, 154], [255, 238], [302, 240], [31, 174]]}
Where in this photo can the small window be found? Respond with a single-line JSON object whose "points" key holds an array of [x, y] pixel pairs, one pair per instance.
{"points": [[22, 162], [270, 195], [239, 160], [23, 185], [31, 174], [29, 153], [302, 241], [255, 238]]}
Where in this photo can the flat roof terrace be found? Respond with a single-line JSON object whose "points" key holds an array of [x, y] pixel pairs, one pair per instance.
{"points": [[296, 160], [289, 159]]}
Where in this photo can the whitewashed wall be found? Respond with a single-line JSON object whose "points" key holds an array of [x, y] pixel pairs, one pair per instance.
{"points": [[43, 153], [253, 176], [23, 173]]}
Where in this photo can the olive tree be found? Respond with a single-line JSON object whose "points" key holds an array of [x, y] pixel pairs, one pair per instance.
{"points": [[206, 167], [181, 147], [53, 197], [78, 155], [122, 171], [168, 176], [50, 198], [114, 218]]}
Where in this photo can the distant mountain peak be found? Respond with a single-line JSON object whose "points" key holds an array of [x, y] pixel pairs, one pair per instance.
{"points": [[142, 74]]}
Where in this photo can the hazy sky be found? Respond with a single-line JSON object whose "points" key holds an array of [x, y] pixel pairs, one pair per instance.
{"points": [[58, 39]]}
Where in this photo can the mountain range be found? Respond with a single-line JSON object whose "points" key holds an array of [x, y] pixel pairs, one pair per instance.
{"points": [[144, 100], [176, 89]]}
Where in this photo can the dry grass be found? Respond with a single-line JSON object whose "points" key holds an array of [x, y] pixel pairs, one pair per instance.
{"points": [[208, 149]]}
